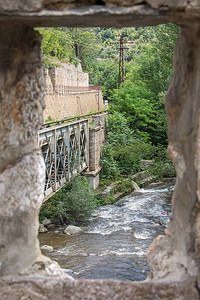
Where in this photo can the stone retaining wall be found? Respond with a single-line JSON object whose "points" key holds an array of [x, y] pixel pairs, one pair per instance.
{"points": [[68, 93], [65, 75], [61, 106]]}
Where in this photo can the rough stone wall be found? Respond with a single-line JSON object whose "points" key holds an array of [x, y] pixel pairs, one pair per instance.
{"points": [[21, 166], [177, 254], [97, 138], [32, 6], [60, 106], [97, 133], [100, 120], [66, 75], [99, 13], [22, 170], [68, 93], [94, 148], [173, 256], [38, 288]]}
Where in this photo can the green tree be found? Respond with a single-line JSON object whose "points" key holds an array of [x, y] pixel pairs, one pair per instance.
{"points": [[56, 45], [123, 150], [72, 204], [136, 102], [72, 45], [104, 73], [86, 45]]}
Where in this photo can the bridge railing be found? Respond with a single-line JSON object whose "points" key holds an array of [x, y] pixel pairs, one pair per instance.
{"points": [[62, 89], [65, 149], [77, 118]]}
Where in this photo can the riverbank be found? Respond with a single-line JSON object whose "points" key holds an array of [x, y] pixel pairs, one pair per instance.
{"points": [[152, 172]]}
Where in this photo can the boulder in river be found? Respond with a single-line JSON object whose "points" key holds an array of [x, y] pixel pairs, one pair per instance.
{"points": [[120, 202], [47, 247], [50, 226], [46, 222], [68, 271], [71, 229], [157, 223], [42, 228]]}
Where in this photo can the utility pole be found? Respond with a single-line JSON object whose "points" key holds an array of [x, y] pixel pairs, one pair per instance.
{"points": [[98, 92], [121, 77]]}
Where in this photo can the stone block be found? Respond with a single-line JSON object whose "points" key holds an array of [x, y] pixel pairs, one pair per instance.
{"points": [[43, 288], [93, 176]]}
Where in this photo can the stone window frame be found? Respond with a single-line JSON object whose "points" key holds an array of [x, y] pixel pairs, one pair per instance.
{"points": [[174, 258]]}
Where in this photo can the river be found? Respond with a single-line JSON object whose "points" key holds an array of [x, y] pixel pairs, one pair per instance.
{"points": [[115, 242]]}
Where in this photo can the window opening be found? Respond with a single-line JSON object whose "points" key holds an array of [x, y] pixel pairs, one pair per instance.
{"points": [[134, 78]]}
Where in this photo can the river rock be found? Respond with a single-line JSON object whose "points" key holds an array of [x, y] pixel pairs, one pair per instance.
{"points": [[46, 222], [55, 221], [68, 271], [71, 229], [42, 228], [165, 213], [47, 247], [157, 223], [50, 226], [120, 202]]}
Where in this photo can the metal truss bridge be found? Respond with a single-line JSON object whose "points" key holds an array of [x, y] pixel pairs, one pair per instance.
{"points": [[65, 148]]}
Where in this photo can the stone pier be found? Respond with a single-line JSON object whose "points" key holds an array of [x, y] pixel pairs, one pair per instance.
{"points": [[97, 133]]}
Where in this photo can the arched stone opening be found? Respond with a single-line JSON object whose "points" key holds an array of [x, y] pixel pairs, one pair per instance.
{"points": [[174, 257]]}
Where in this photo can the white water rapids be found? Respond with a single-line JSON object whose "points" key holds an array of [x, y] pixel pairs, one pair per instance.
{"points": [[115, 243]]}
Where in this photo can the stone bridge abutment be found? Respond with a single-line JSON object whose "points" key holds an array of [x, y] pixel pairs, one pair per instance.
{"points": [[97, 133], [174, 258]]}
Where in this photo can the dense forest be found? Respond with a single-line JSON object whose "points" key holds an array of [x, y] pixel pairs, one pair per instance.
{"points": [[138, 124]]}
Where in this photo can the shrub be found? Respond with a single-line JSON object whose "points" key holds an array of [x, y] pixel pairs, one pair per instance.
{"points": [[110, 169], [72, 204], [162, 169], [124, 185], [123, 150]]}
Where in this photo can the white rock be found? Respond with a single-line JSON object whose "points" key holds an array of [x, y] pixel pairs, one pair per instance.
{"points": [[47, 247], [71, 229], [46, 221], [42, 229]]}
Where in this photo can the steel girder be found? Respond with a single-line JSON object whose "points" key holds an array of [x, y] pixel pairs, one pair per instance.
{"points": [[65, 149]]}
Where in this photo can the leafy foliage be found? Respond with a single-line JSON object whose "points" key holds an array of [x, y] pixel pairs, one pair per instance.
{"points": [[68, 45], [72, 204], [136, 102], [162, 169], [148, 73], [123, 151], [86, 46], [56, 46]]}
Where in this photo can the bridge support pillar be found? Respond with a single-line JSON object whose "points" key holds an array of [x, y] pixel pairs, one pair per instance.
{"points": [[93, 176], [96, 140]]}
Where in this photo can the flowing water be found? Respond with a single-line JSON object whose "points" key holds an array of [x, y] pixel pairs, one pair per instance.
{"points": [[115, 242]]}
